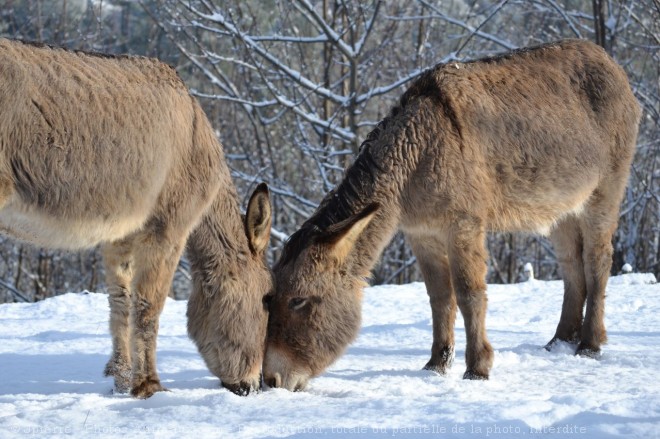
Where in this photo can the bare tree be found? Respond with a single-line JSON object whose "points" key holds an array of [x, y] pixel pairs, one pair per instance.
{"points": [[311, 78], [294, 86]]}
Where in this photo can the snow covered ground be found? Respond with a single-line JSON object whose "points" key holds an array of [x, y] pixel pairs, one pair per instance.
{"points": [[52, 355]]}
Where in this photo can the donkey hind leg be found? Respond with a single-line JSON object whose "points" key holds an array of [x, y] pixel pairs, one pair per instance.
{"points": [[118, 267], [467, 262], [156, 258], [432, 258], [568, 243], [598, 226]]}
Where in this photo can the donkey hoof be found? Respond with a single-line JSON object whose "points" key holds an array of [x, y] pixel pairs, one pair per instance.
{"points": [[242, 388], [122, 385], [441, 360], [587, 351], [439, 368], [147, 388], [551, 344], [556, 340], [474, 375], [121, 372]]}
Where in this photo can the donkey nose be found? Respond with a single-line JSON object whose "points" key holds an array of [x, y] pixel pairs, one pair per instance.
{"points": [[242, 388], [274, 381]]}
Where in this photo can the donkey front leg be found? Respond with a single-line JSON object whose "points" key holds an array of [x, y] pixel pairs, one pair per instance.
{"points": [[118, 270], [432, 258], [467, 260], [156, 260]]}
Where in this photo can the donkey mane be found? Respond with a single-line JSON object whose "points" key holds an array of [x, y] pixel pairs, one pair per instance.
{"points": [[359, 182], [515, 53], [341, 204]]}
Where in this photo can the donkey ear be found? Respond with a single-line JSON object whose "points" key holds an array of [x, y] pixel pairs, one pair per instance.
{"points": [[258, 220], [341, 237]]}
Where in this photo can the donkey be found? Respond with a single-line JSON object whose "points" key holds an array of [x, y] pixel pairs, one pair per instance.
{"points": [[535, 140], [113, 150]]}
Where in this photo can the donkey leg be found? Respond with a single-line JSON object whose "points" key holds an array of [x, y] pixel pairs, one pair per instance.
{"points": [[599, 223], [467, 262], [432, 259], [568, 242], [118, 272], [156, 258]]}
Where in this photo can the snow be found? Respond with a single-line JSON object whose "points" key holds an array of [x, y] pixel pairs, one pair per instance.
{"points": [[52, 354]]}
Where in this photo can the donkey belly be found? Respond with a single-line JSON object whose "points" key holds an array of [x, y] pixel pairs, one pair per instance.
{"points": [[534, 199], [537, 215], [505, 203], [44, 230]]}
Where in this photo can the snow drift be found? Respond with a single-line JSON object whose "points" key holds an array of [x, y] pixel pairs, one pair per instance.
{"points": [[52, 355]]}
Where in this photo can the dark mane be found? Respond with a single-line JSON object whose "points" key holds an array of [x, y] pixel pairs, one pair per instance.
{"points": [[339, 204], [353, 193], [296, 243], [343, 201], [498, 57]]}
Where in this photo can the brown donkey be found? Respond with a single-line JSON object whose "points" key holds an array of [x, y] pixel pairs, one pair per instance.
{"points": [[536, 140], [99, 149]]}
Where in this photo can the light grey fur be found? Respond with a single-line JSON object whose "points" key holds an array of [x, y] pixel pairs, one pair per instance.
{"points": [[98, 149]]}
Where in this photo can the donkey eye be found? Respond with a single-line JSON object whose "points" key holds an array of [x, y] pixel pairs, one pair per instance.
{"points": [[297, 303]]}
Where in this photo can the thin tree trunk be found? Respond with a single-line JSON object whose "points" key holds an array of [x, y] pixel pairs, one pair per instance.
{"points": [[600, 29]]}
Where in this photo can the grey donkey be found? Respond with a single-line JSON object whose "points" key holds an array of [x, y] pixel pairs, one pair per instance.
{"points": [[113, 150]]}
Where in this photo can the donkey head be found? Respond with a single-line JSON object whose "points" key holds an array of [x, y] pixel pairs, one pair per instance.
{"points": [[315, 311], [227, 317]]}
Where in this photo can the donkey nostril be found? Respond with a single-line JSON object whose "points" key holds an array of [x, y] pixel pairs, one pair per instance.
{"points": [[242, 388], [274, 381]]}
